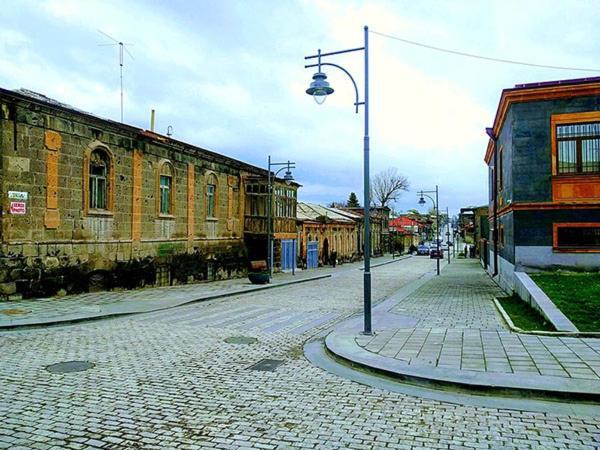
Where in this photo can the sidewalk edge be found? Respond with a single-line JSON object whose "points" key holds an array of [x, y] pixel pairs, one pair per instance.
{"points": [[75, 319]]}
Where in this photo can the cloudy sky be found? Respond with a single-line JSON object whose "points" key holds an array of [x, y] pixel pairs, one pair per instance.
{"points": [[229, 76]]}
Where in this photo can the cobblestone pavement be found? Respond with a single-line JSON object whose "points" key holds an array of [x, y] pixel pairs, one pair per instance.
{"points": [[170, 380], [458, 327]]}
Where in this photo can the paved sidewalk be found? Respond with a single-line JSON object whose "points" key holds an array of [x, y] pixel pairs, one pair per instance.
{"points": [[447, 329], [73, 308]]}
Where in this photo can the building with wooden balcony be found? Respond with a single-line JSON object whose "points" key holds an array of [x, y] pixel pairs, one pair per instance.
{"points": [[283, 202]]}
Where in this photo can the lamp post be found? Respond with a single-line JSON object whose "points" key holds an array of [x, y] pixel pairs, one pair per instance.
{"points": [[320, 89], [448, 232], [288, 178], [435, 202]]}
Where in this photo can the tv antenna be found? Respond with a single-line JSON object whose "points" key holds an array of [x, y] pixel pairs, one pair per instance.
{"points": [[122, 48]]}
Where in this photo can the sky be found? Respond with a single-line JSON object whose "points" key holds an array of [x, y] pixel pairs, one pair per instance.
{"points": [[229, 76]]}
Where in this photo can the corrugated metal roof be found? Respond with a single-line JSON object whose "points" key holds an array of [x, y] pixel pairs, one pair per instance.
{"points": [[311, 211]]}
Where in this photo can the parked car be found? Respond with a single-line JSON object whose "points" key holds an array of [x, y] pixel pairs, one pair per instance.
{"points": [[435, 254], [422, 250]]}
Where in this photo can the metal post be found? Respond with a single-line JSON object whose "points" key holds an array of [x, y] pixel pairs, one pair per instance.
{"points": [[367, 272], [437, 232], [295, 243], [495, 234], [269, 253], [448, 232]]}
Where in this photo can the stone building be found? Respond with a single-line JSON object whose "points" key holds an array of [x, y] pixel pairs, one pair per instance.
{"points": [[543, 158], [380, 232], [90, 203], [323, 231]]}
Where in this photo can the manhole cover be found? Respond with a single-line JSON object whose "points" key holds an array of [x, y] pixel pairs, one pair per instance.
{"points": [[241, 340], [69, 366], [267, 365]]}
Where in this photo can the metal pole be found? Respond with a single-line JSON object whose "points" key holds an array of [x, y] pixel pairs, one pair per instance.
{"points": [[121, 67], [269, 260], [437, 225], [367, 272], [448, 232], [495, 235]]}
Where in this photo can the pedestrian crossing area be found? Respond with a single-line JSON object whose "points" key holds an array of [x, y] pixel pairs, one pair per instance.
{"points": [[244, 318]]}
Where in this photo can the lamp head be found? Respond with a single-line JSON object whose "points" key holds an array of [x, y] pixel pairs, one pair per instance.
{"points": [[319, 88], [288, 177], [421, 201]]}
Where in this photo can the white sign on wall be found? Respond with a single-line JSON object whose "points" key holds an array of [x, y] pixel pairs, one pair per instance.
{"points": [[17, 195]]}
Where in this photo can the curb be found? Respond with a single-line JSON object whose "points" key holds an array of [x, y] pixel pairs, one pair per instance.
{"points": [[90, 318], [516, 329], [401, 258], [426, 376]]}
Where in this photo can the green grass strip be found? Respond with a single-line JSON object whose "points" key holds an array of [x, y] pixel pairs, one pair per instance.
{"points": [[576, 294], [523, 315]]}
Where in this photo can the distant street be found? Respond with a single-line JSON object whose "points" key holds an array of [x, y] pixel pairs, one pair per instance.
{"points": [[181, 379]]}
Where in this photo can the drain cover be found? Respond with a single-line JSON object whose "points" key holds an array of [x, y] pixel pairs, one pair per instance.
{"points": [[69, 366], [241, 340], [267, 365]]}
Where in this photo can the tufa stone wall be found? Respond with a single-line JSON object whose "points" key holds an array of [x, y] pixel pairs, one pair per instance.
{"points": [[58, 239]]}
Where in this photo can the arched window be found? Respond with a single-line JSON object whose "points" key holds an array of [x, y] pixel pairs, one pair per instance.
{"points": [[98, 175], [211, 195], [166, 188]]}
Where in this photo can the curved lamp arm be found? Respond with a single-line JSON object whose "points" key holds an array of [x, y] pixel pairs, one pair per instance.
{"points": [[422, 194], [286, 167], [356, 103]]}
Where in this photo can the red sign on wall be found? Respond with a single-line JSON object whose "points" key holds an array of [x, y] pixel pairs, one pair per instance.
{"points": [[18, 208]]}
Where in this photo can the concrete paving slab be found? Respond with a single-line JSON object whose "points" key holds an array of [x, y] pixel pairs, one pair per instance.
{"points": [[457, 336]]}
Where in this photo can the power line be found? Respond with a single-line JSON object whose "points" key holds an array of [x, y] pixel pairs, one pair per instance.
{"points": [[487, 58]]}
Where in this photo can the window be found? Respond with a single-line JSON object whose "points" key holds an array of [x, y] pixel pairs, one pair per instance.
{"points": [[165, 194], [256, 200], [578, 149], [98, 180], [210, 200], [211, 194], [577, 237], [285, 202], [165, 189]]}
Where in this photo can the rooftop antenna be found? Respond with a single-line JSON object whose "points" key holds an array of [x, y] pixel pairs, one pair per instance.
{"points": [[122, 47]]}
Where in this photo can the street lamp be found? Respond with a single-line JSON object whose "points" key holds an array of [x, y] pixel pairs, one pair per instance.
{"points": [[435, 202], [320, 89], [287, 178]]}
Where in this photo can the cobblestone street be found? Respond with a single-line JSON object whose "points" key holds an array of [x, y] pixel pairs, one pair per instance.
{"points": [[182, 379]]}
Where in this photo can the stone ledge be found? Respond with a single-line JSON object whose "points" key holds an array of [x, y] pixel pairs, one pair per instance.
{"points": [[531, 293]]}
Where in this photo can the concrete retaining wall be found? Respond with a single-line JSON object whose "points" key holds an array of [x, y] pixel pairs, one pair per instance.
{"points": [[530, 292]]}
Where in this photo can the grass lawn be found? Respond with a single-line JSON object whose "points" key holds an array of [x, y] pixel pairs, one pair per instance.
{"points": [[523, 315], [576, 294]]}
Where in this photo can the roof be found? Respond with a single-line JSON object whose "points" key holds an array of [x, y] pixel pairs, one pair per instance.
{"points": [[36, 97], [311, 211], [544, 90]]}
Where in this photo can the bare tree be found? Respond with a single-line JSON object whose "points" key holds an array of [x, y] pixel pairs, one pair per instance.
{"points": [[387, 186]]}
